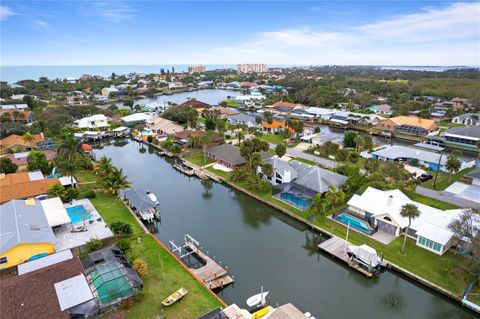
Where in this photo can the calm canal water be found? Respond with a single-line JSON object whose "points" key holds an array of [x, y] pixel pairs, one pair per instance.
{"points": [[262, 246], [210, 96]]}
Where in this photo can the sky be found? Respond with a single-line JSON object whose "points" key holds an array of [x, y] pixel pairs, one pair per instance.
{"points": [[338, 32]]}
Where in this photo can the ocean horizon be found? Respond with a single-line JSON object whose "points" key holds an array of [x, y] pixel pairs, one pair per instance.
{"points": [[15, 73]]}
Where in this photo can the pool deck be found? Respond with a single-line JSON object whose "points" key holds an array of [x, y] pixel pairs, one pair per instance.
{"points": [[66, 239], [335, 247], [379, 235]]}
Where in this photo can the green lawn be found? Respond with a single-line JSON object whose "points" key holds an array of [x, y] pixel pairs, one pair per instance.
{"points": [[446, 179], [165, 274], [272, 138], [231, 103], [198, 159], [299, 159]]}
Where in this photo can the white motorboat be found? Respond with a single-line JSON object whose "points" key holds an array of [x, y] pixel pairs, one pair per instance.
{"points": [[152, 197], [258, 300]]}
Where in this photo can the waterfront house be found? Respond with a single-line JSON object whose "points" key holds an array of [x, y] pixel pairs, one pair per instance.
{"points": [[160, 125], [197, 105], [229, 155], [382, 109], [416, 126], [25, 117], [286, 107], [277, 127], [110, 91], [467, 119], [224, 111], [24, 232], [21, 159], [382, 208], [97, 121], [468, 136], [296, 182], [321, 113], [242, 118], [136, 118]]}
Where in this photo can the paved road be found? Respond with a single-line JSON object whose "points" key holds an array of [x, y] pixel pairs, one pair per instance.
{"points": [[446, 197], [319, 160]]}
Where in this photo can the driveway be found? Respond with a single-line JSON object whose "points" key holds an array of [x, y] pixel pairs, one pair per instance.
{"points": [[292, 152]]}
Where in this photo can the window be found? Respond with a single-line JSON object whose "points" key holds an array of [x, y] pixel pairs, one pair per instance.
{"points": [[430, 244], [3, 260], [387, 218]]}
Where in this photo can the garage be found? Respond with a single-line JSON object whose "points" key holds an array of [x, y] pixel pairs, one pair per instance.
{"points": [[387, 228]]}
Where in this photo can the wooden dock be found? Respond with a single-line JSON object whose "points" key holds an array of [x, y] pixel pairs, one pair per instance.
{"points": [[212, 274], [335, 246]]}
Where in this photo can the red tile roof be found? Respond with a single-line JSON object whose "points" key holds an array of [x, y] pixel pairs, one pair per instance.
{"points": [[196, 104], [33, 295], [14, 139]]}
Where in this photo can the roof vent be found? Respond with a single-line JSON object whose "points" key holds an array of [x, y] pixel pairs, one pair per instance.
{"points": [[34, 227], [390, 200]]}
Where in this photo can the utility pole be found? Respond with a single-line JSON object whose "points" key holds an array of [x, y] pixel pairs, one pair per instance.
{"points": [[438, 168]]}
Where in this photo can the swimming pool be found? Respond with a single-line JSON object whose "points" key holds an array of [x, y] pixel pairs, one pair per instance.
{"points": [[297, 201], [77, 214], [355, 223], [146, 131]]}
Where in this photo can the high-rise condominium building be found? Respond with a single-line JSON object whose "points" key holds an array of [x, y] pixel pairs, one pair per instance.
{"points": [[251, 68], [197, 69]]}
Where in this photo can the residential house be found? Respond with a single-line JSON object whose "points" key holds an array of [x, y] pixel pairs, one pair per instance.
{"points": [[229, 155], [464, 135], [456, 104], [159, 125], [25, 185], [224, 111], [286, 107], [408, 125], [475, 176], [382, 208], [97, 121], [15, 115], [467, 119], [14, 142], [277, 127], [24, 232], [20, 159], [382, 109], [197, 105], [19, 107], [110, 91], [407, 154], [242, 118], [321, 113], [136, 118]]}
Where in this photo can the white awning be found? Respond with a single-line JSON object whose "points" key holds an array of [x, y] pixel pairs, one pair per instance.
{"points": [[73, 292], [55, 212]]}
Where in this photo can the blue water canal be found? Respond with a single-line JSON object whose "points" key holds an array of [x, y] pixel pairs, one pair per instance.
{"points": [[262, 246]]}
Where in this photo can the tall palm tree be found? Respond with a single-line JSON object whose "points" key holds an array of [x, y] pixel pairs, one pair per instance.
{"points": [[409, 211], [69, 153], [103, 167], [335, 196], [29, 138], [317, 207], [115, 181]]}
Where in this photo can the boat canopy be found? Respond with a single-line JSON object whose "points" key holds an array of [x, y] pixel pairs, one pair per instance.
{"points": [[366, 254]]}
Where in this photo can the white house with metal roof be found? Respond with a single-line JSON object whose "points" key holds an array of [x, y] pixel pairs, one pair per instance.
{"points": [[97, 121], [430, 229]]}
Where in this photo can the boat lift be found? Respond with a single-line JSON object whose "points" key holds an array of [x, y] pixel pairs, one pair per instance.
{"points": [[182, 251]]}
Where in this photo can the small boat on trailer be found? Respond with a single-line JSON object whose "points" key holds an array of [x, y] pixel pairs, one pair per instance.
{"points": [[174, 297]]}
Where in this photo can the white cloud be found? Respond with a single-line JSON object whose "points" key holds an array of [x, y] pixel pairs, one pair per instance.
{"points": [[407, 39], [5, 13], [113, 11], [41, 25]]}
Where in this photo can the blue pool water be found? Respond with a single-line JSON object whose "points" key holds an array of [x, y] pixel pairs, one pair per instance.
{"points": [[76, 212], [355, 223], [298, 201], [146, 132]]}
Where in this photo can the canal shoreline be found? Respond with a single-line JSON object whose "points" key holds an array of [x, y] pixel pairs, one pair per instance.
{"points": [[400, 270]]}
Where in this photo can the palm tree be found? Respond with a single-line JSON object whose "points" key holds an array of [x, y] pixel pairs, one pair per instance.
{"points": [[103, 167], [335, 196], [267, 169], [115, 181], [240, 137], [69, 153], [409, 211], [29, 138], [317, 207]]}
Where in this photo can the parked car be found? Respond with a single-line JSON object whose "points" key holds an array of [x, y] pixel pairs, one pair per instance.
{"points": [[424, 177]]}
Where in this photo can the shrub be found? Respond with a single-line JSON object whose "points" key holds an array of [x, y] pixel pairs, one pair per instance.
{"points": [[353, 157], [94, 244], [121, 228], [141, 267], [127, 303], [139, 295], [90, 194], [71, 194], [149, 138], [123, 245]]}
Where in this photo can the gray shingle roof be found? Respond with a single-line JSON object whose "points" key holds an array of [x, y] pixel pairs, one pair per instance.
{"points": [[281, 166], [471, 131], [397, 151], [316, 178], [23, 224], [231, 154]]}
